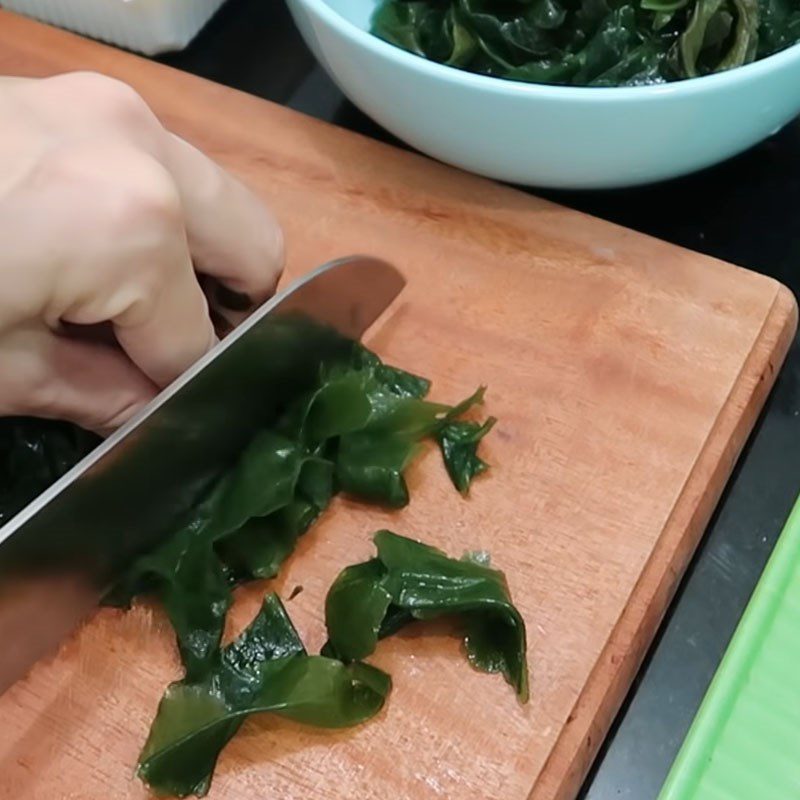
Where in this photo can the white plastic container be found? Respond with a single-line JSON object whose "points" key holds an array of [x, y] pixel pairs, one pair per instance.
{"points": [[147, 26]]}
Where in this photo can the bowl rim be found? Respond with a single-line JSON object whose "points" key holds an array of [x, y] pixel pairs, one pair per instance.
{"points": [[686, 87]]}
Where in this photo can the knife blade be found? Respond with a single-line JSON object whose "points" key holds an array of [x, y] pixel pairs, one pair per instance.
{"points": [[62, 552]]}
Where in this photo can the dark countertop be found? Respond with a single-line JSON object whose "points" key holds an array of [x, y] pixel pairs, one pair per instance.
{"points": [[744, 211]]}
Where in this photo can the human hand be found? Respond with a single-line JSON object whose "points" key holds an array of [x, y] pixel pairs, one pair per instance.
{"points": [[104, 218]]}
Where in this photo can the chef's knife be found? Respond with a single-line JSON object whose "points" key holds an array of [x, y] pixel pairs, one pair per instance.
{"points": [[62, 552]]}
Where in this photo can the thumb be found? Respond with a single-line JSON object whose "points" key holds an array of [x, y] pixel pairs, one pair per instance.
{"points": [[92, 384]]}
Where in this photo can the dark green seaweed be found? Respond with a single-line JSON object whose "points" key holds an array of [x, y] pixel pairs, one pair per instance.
{"points": [[411, 581], [590, 42], [356, 432], [266, 670]]}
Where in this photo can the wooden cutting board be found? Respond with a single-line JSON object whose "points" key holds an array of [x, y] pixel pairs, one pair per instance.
{"points": [[626, 374]]}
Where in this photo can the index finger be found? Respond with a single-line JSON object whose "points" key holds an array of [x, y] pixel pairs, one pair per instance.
{"points": [[232, 235]]}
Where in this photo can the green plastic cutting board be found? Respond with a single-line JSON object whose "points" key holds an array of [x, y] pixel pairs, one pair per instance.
{"points": [[744, 743]]}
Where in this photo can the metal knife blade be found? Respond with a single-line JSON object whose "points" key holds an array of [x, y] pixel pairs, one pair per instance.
{"points": [[62, 552]]}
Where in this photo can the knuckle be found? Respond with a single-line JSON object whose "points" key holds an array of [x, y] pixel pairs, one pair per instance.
{"points": [[108, 98], [134, 208], [277, 248], [149, 217], [126, 191], [151, 198], [265, 250], [274, 249], [145, 207], [112, 95]]}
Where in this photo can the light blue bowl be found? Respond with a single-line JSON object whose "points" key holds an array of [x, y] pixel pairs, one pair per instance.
{"points": [[549, 136]]}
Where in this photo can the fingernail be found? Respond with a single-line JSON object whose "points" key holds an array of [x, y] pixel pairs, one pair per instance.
{"points": [[232, 300]]}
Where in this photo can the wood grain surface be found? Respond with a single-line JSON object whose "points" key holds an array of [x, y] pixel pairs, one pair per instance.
{"points": [[626, 374]]}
